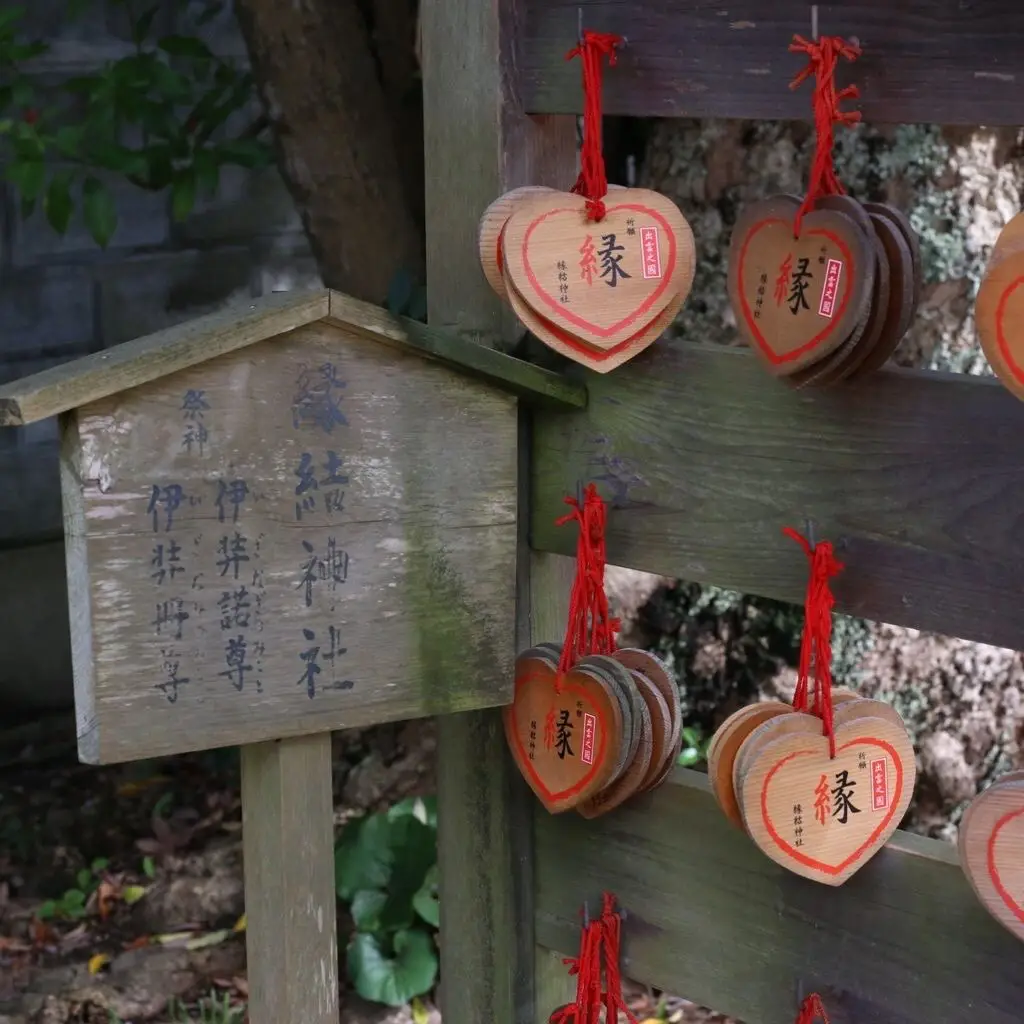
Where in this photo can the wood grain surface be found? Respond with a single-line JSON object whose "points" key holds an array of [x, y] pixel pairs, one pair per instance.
{"points": [[943, 61], [916, 477], [711, 918], [272, 527], [478, 144]]}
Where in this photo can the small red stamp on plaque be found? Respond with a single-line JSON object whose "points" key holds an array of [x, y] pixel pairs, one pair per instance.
{"points": [[589, 732], [879, 785], [833, 271], [651, 251]]}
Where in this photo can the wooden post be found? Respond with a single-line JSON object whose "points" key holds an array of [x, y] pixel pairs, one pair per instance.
{"points": [[288, 836], [478, 144]]}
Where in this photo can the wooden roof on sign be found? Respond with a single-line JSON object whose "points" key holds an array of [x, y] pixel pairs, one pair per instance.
{"points": [[102, 374]]}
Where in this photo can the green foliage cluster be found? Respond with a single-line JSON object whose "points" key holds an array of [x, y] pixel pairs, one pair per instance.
{"points": [[386, 873], [156, 118], [71, 906]]}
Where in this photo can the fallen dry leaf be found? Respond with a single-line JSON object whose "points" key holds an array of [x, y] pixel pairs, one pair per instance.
{"points": [[12, 945], [98, 962]]}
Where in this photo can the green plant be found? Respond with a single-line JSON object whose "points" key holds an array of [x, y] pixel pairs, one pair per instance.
{"points": [[213, 1009], [156, 118], [695, 747], [386, 871], [71, 906]]}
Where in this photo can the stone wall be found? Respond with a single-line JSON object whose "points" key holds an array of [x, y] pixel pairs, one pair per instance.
{"points": [[65, 297]]}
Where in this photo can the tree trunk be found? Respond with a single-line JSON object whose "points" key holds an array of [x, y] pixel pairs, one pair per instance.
{"points": [[322, 92]]}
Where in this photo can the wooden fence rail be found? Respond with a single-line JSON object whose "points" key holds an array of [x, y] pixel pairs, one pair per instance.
{"points": [[942, 61], [917, 477], [905, 941]]}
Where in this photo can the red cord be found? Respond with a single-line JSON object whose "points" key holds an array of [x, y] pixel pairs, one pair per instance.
{"points": [[592, 181], [822, 59], [816, 640], [812, 1009], [611, 929]]}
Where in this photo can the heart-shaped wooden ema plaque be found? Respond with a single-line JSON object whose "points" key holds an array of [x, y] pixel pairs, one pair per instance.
{"points": [[567, 344], [798, 299], [734, 731], [824, 818], [565, 744], [492, 222], [999, 312], [601, 281], [991, 847]]}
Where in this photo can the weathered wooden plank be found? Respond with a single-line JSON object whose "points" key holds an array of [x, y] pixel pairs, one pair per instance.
{"points": [[102, 374], [711, 918], [917, 478], [272, 527], [941, 61], [467, 355], [478, 144], [105, 373], [288, 837]]}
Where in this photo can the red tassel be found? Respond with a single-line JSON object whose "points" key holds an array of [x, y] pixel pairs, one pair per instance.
{"points": [[811, 1009]]}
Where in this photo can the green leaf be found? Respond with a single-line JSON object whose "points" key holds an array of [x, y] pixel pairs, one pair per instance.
{"points": [[84, 880], [9, 15], [99, 864], [98, 211], [68, 139], [5, 125], [425, 902], [73, 898], [27, 176], [249, 153], [183, 194], [148, 867], [393, 980], [423, 808], [185, 46], [366, 907], [363, 857], [47, 910], [414, 852]]}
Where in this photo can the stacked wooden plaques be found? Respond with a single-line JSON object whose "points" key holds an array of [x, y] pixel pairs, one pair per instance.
{"points": [[613, 728], [991, 845], [773, 775], [598, 292], [999, 311], [829, 305]]}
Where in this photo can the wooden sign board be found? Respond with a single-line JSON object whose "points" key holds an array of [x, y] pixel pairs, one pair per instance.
{"points": [[310, 533]]}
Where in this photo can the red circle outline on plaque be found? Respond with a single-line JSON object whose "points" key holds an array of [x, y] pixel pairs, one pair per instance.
{"points": [[811, 862], [666, 276], [1004, 348], [990, 858], [598, 754], [808, 346]]}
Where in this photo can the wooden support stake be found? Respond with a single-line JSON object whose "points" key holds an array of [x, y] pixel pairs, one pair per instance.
{"points": [[288, 835], [477, 145]]}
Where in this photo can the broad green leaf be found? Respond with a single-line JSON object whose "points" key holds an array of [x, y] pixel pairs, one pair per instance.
{"points": [[83, 878], [363, 858], [98, 211], [366, 907], [183, 194], [68, 139], [27, 176], [423, 808], [185, 46], [425, 902], [414, 852], [47, 910], [249, 153], [393, 980]]}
